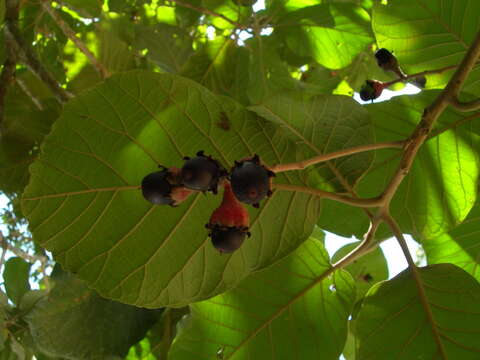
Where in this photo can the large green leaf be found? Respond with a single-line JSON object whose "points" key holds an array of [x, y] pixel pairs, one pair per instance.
{"points": [[332, 33], [73, 322], [393, 322], [429, 34], [323, 124], [460, 246], [292, 310], [83, 202], [441, 187], [16, 275], [366, 271]]}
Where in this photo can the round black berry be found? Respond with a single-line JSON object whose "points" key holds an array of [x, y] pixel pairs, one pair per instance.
{"points": [[227, 239], [384, 57], [251, 181], [202, 173], [157, 189]]}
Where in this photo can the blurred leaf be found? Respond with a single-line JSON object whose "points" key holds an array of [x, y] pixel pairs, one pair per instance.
{"points": [[460, 246], [214, 65], [366, 271], [332, 33], [435, 196], [168, 46], [16, 275], [228, 9], [296, 309], [84, 206], [163, 333], [30, 298], [17, 348], [393, 322], [323, 124], [267, 73], [427, 35], [91, 327]]}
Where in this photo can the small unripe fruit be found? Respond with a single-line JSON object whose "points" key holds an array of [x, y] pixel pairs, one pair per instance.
{"points": [[251, 181], [229, 223], [162, 188], [202, 173]]}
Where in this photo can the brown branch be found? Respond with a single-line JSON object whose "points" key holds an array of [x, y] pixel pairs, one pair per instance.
{"points": [[27, 55], [67, 30], [27, 92], [363, 203], [208, 12], [364, 247], [9, 66], [430, 116], [465, 106], [300, 165], [418, 282]]}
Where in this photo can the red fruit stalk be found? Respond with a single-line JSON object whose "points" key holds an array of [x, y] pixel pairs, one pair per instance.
{"points": [[229, 223], [230, 212]]}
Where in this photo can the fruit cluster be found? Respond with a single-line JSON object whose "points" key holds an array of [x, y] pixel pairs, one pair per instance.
{"points": [[249, 181], [372, 89]]}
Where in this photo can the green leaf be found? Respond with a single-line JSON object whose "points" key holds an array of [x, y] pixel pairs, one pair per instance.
{"points": [[91, 327], [435, 196], [460, 246], [168, 46], [296, 309], [332, 33], [16, 275], [83, 202], [267, 74], [228, 9], [367, 271], [320, 125], [428, 35], [393, 322], [30, 298]]}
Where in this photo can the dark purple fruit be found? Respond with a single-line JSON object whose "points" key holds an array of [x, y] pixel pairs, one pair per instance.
{"points": [[371, 90], [251, 181], [161, 188], [227, 239], [385, 58], [202, 173], [388, 62]]}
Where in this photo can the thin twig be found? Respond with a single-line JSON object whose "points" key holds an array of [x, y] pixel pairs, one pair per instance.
{"points": [[418, 282], [334, 155], [208, 12], [363, 203], [422, 73], [14, 37], [4, 251], [67, 30], [27, 92], [465, 106], [453, 125]]}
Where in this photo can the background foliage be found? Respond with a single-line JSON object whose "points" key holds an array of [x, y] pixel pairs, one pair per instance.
{"points": [[95, 94]]}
